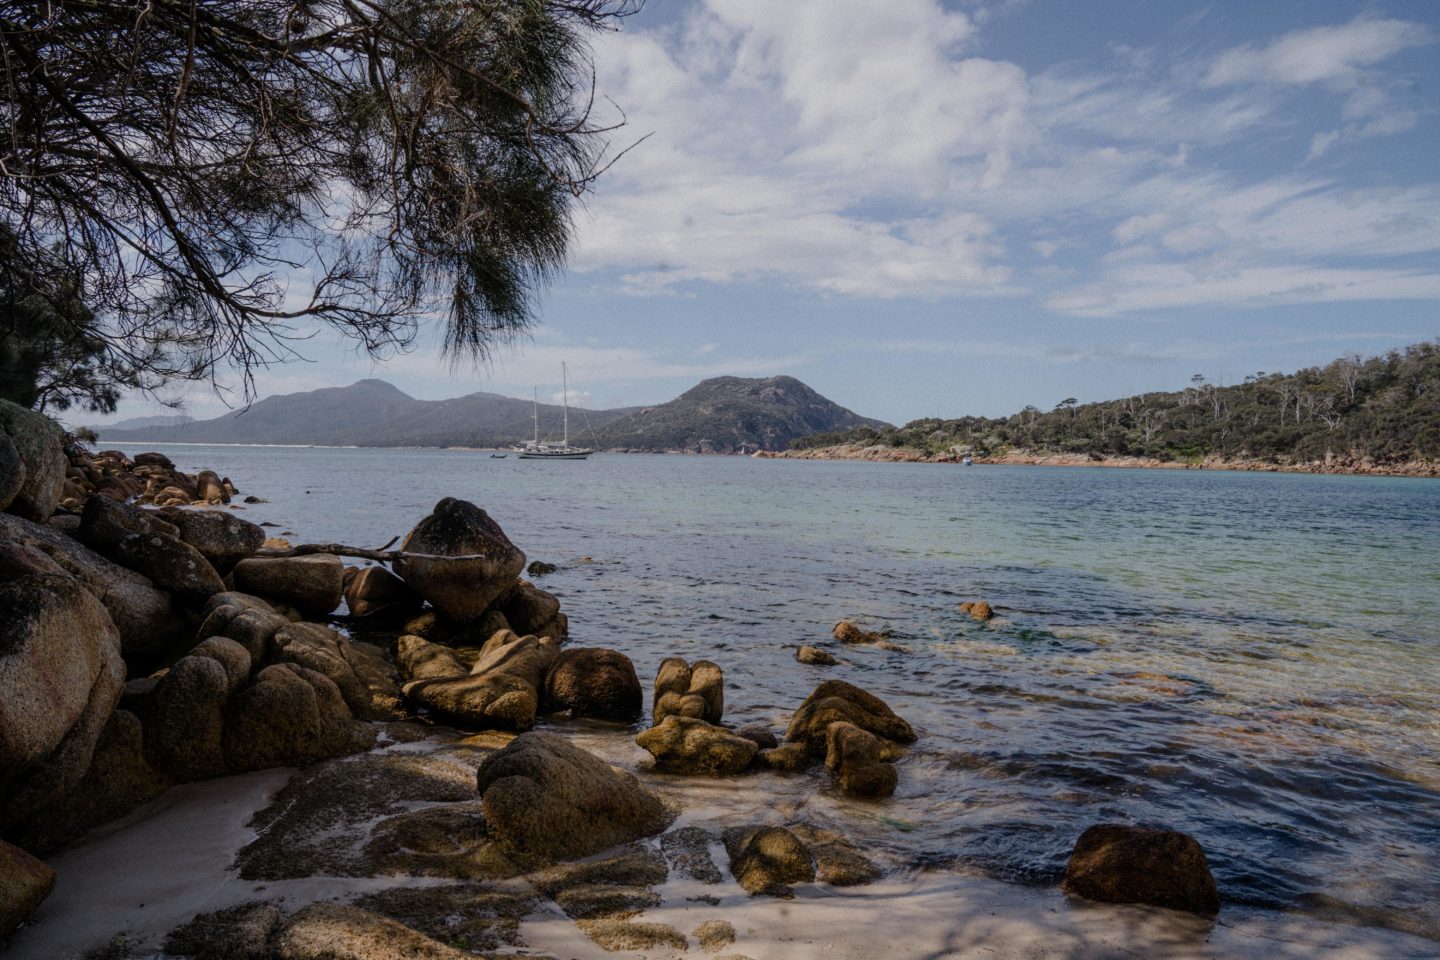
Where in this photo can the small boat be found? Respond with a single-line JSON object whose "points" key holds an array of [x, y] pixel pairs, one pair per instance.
{"points": [[966, 461], [538, 449], [498, 456]]}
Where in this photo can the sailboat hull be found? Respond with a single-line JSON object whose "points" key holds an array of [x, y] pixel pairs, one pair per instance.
{"points": [[555, 456]]}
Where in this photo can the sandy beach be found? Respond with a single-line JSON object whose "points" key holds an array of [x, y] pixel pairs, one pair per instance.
{"points": [[134, 880]]}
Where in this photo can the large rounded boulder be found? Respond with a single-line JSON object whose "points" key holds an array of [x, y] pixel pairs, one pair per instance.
{"points": [[594, 682], [60, 677], [312, 584], [151, 629], [469, 561], [40, 448], [546, 799], [222, 538]]}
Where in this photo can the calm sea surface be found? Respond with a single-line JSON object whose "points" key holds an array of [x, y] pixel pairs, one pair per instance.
{"points": [[1252, 658]]}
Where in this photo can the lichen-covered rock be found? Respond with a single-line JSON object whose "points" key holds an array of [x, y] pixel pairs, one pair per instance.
{"points": [[1116, 863], [171, 565], [689, 745], [105, 522], [24, 883], [241, 932], [223, 538], [815, 656], [332, 931], [837, 700], [151, 629], [289, 716], [373, 592], [461, 589], [527, 608], [767, 860], [12, 471], [323, 650], [60, 677], [594, 682], [311, 584], [856, 757], [184, 718], [39, 445], [419, 659], [689, 690], [762, 737], [499, 692], [546, 799], [786, 758], [118, 780]]}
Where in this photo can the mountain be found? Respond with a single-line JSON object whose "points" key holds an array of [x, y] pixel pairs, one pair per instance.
{"points": [[338, 416], [732, 415], [137, 423], [724, 415]]}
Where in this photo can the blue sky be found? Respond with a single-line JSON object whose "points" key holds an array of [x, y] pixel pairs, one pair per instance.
{"points": [[926, 208]]}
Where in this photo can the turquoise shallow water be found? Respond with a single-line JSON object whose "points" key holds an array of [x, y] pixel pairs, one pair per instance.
{"points": [[1253, 658]]}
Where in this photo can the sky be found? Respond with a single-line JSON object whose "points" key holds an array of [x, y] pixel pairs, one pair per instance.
{"points": [[927, 208]]}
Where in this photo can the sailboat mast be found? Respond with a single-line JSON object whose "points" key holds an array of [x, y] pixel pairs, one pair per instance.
{"points": [[535, 412], [565, 398]]}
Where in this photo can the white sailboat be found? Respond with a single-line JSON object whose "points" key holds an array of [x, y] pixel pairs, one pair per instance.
{"points": [[537, 449]]}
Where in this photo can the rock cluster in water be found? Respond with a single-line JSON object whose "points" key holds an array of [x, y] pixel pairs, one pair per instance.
{"points": [[145, 643]]}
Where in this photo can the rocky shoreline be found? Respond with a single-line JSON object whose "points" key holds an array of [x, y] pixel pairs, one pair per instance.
{"points": [[147, 649], [1332, 465]]}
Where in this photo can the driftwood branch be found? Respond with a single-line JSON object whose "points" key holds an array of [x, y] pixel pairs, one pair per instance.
{"points": [[364, 553]]}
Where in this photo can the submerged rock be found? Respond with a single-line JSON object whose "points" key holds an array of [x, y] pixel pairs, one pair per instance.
{"points": [[847, 632], [856, 757], [767, 860], [815, 656], [837, 700], [546, 799], [1115, 863], [690, 745], [460, 589], [978, 609]]}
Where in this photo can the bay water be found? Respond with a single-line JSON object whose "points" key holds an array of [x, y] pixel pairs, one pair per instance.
{"points": [[1252, 658]]}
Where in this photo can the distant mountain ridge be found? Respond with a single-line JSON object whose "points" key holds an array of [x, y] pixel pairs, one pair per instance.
{"points": [[723, 415]]}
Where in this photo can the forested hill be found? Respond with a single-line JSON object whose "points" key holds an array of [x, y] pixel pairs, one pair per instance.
{"points": [[1385, 409], [732, 415]]}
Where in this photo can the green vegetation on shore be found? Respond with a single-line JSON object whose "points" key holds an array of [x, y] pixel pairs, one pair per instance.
{"points": [[1385, 409]]}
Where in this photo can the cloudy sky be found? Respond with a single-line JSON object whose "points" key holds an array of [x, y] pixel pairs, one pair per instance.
{"points": [[923, 207]]}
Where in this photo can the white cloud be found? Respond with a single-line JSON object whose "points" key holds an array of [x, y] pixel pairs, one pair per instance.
{"points": [[780, 128], [1319, 54]]}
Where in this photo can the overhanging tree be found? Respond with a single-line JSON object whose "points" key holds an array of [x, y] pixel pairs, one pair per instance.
{"points": [[227, 176]]}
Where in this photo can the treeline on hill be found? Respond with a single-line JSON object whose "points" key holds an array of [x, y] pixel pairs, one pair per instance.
{"points": [[1386, 409]]}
